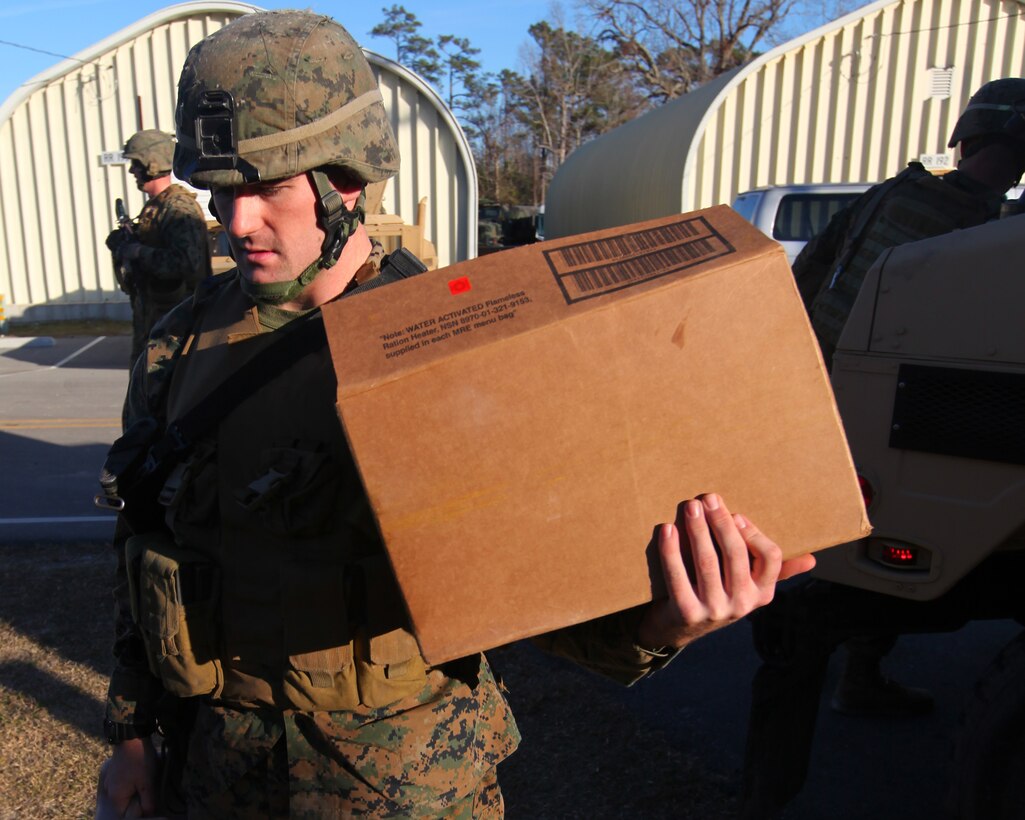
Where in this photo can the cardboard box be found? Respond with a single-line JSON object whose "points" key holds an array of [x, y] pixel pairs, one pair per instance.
{"points": [[525, 420]]}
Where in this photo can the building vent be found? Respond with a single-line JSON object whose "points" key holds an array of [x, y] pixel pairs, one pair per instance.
{"points": [[940, 81]]}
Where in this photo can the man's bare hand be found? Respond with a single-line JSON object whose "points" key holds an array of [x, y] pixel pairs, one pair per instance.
{"points": [[127, 781], [707, 588]]}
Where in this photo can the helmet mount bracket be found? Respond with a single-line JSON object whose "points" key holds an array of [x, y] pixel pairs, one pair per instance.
{"points": [[216, 135]]}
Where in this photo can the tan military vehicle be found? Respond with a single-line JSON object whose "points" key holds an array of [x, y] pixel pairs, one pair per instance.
{"points": [[929, 377]]}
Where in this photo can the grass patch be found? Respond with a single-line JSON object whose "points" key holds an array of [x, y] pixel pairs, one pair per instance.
{"points": [[584, 753], [56, 622], [79, 327]]}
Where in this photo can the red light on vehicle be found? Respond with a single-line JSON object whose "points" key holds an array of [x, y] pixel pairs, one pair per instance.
{"points": [[899, 556], [868, 492]]}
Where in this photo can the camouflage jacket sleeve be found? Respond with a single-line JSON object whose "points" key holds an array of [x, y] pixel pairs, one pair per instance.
{"points": [[133, 691], [175, 242], [608, 647]]}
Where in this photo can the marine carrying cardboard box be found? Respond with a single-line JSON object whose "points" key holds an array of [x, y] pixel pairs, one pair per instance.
{"points": [[524, 421]]}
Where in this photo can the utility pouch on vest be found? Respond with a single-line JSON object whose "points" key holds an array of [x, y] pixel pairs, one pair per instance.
{"points": [[389, 667], [174, 595], [131, 479], [318, 640], [293, 495]]}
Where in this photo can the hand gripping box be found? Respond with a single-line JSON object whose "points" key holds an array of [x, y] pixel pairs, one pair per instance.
{"points": [[524, 421]]}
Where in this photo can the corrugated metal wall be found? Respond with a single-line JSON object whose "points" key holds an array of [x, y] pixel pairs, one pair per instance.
{"points": [[855, 104], [56, 194], [853, 101], [57, 189], [436, 163]]}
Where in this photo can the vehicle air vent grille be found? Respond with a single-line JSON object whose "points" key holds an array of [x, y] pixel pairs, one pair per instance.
{"points": [[956, 412]]}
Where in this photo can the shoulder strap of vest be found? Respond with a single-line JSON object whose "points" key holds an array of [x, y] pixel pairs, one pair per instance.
{"points": [[295, 340]]}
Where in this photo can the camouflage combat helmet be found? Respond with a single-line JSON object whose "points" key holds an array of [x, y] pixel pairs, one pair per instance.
{"points": [[280, 93], [154, 149], [996, 109]]}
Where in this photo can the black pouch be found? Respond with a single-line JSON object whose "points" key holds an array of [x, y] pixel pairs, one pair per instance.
{"points": [[296, 492], [132, 478]]}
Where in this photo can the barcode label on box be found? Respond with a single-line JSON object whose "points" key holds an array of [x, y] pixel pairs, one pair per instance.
{"points": [[588, 269]]}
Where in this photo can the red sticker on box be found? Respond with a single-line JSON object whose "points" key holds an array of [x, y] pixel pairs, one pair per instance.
{"points": [[460, 285]]}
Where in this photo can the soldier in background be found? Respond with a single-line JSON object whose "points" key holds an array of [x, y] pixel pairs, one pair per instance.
{"points": [[258, 593], [167, 253], [915, 204]]}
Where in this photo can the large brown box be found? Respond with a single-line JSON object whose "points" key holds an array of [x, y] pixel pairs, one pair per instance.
{"points": [[524, 421]]}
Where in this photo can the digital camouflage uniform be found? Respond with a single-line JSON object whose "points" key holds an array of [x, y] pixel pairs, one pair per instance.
{"points": [[173, 260], [433, 751], [262, 596]]}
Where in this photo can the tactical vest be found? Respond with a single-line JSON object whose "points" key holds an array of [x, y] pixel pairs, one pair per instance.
{"points": [[275, 589], [918, 208]]}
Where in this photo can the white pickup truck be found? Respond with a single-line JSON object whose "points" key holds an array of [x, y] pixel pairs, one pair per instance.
{"points": [[793, 214]]}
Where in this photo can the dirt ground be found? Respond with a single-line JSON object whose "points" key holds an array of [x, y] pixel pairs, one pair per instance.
{"points": [[583, 754]]}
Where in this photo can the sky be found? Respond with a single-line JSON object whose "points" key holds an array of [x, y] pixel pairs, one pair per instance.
{"points": [[65, 27], [499, 29]]}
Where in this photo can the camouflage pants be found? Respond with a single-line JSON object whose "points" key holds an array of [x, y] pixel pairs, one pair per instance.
{"points": [[431, 755]]}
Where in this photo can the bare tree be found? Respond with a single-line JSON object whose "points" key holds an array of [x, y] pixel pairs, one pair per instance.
{"points": [[573, 90], [501, 143], [673, 46]]}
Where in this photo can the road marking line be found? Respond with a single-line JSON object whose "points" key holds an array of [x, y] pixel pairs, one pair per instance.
{"points": [[78, 352], [71, 519]]}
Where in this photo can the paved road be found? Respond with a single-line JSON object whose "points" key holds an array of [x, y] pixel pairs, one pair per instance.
{"points": [[861, 769], [60, 405], [60, 409]]}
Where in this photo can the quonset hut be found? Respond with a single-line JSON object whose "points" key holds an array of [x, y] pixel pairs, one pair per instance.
{"points": [[61, 168], [852, 101]]}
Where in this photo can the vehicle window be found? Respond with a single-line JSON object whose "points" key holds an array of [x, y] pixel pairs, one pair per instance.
{"points": [[745, 205], [802, 216]]}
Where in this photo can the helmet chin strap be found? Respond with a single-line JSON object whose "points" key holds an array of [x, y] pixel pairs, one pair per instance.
{"points": [[338, 224]]}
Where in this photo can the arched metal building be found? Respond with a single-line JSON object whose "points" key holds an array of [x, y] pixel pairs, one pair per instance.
{"points": [[852, 101], [61, 136]]}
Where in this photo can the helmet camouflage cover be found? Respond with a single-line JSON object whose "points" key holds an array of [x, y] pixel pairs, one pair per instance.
{"points": [[154, 149], [276, 94], [997, 108]]}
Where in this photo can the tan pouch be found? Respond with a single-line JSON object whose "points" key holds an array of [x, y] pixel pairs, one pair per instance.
{"points": [[174, 593], [392, 667], [317, 636]]}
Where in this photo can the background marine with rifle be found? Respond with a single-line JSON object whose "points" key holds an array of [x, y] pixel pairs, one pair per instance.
{"points": [[160, 257]]}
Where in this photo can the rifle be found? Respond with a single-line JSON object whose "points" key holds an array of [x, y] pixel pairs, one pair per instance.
{"points": [[122, 272]]}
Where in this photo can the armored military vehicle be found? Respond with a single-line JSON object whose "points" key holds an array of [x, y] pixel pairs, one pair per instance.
{"points": [[929, 377]]}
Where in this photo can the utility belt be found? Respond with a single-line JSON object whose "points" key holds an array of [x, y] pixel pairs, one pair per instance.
{"points": [[176, 603]]}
